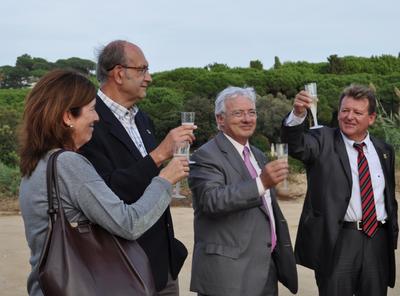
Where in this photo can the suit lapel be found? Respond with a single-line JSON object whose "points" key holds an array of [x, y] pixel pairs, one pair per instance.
{"points": [[115, 128], [145, 131], [342, 153], [232, 155], [384, 158]]}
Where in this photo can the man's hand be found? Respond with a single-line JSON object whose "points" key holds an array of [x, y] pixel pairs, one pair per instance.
{"points": [[302, 102], [165, 151], [274, 172]]}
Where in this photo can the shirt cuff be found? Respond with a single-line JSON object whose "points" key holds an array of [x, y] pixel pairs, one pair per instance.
{"points": [[293, 120], [260, 186]]}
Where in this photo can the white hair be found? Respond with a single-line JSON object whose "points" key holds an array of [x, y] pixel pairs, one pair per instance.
{"points": [[232, 92]]}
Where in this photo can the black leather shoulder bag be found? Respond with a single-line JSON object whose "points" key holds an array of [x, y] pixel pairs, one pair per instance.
{"points": [[87, 260]]}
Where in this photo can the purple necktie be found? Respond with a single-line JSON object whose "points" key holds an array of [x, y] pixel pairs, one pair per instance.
{"points": [[253, 174]]}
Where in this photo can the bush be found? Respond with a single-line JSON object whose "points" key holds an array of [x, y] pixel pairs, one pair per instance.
{"points": [[9, 181], [9, 120]]}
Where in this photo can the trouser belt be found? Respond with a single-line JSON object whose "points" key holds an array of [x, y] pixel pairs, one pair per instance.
{"points": [[358, 225]]}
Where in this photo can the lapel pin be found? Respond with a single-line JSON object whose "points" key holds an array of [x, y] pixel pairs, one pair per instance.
{"points": [[385, 156], [148, 131]]}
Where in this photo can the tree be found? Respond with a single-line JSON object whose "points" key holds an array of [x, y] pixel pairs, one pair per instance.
{"points": [[205, 119], [335, 64], [25, 61], [14, 77], [217, 67], [277, 63], [271, 110], [81, 65], [256, 64], [164, 106]]}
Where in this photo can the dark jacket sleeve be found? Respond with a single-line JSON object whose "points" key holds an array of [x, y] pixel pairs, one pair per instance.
{"points": [[128, 178]]}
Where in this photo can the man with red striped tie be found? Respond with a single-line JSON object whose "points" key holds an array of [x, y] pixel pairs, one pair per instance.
{"points": [[348, 227]]}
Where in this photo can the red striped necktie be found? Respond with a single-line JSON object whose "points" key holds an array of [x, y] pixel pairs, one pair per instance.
{"points": [[369, 221]]}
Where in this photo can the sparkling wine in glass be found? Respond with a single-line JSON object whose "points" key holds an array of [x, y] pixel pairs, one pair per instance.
{"points": [[181, 149], [311, 88], [282, 153], [187, 118]]}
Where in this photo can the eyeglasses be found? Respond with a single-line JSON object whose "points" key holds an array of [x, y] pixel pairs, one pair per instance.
{"points": [[242, 113], [142, 70]]}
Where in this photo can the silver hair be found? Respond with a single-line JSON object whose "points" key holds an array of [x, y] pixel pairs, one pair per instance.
{"points": [[109, 56], [232, 92]]}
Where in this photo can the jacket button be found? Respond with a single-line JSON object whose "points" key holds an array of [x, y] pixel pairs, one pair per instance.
{"points": [[340, 222], [269, 245]]}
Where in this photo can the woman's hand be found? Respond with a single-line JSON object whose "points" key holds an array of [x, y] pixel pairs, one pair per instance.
{"points": [[176, 170]]}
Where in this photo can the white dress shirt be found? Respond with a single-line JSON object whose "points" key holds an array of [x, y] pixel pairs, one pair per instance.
{"points": [[127, 119], [264, 193]]}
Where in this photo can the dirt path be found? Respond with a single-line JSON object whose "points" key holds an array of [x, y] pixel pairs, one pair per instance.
{"points": [[14, 253]]}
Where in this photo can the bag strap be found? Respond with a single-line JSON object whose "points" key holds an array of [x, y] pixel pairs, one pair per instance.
{"points": [[52, 181]]}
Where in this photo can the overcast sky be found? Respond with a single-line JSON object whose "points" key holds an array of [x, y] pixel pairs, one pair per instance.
{"points": [[189, 33]]}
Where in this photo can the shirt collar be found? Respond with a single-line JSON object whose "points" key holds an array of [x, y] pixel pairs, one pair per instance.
{"points": [[119, 110], [239, 147], [349, 143]]}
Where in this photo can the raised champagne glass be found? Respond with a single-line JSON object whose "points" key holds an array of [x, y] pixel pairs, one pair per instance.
{"points": [[311, 88], [282, 153], [181, 149], [187, 118]]}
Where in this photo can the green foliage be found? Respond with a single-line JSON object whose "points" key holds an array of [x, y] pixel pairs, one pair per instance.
{"points": [[13, 99], [277, 63], [296, 166], [256, 64], [9, 120], [9, 181], [80, 65], [382, 65], [205, 119], [195, 89], [164, 106], [13, 77], [271, 110], [28, 70], [261, 142], [387, 127]]}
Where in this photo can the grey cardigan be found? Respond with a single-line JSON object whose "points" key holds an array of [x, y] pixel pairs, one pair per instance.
{"points": [[85, 196]]}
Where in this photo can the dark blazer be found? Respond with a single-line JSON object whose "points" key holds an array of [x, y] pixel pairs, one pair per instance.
{"points": [[328, 194], [232, 234], [127, 173]]}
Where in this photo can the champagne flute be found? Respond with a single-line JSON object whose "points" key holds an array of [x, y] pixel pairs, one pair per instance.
{"points": [[187, 118], [181, 149], [311, 88], [282, 153]]}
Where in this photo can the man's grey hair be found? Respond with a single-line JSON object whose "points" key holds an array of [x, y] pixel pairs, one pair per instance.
{"points": [[232, 92], [109, 56]]}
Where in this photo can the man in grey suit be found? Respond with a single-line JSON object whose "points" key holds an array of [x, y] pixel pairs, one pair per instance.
{"points": [[242, 244], [348, 227]]}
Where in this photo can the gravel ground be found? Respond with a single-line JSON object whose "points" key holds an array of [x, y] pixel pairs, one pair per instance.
{"points": [[14, 253]]}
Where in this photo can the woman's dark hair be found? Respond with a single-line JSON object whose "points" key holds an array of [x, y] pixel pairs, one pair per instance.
{"points": [[43, 127]]}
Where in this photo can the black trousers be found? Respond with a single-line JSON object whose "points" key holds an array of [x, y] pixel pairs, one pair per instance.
{"points": [[360, 265]]}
